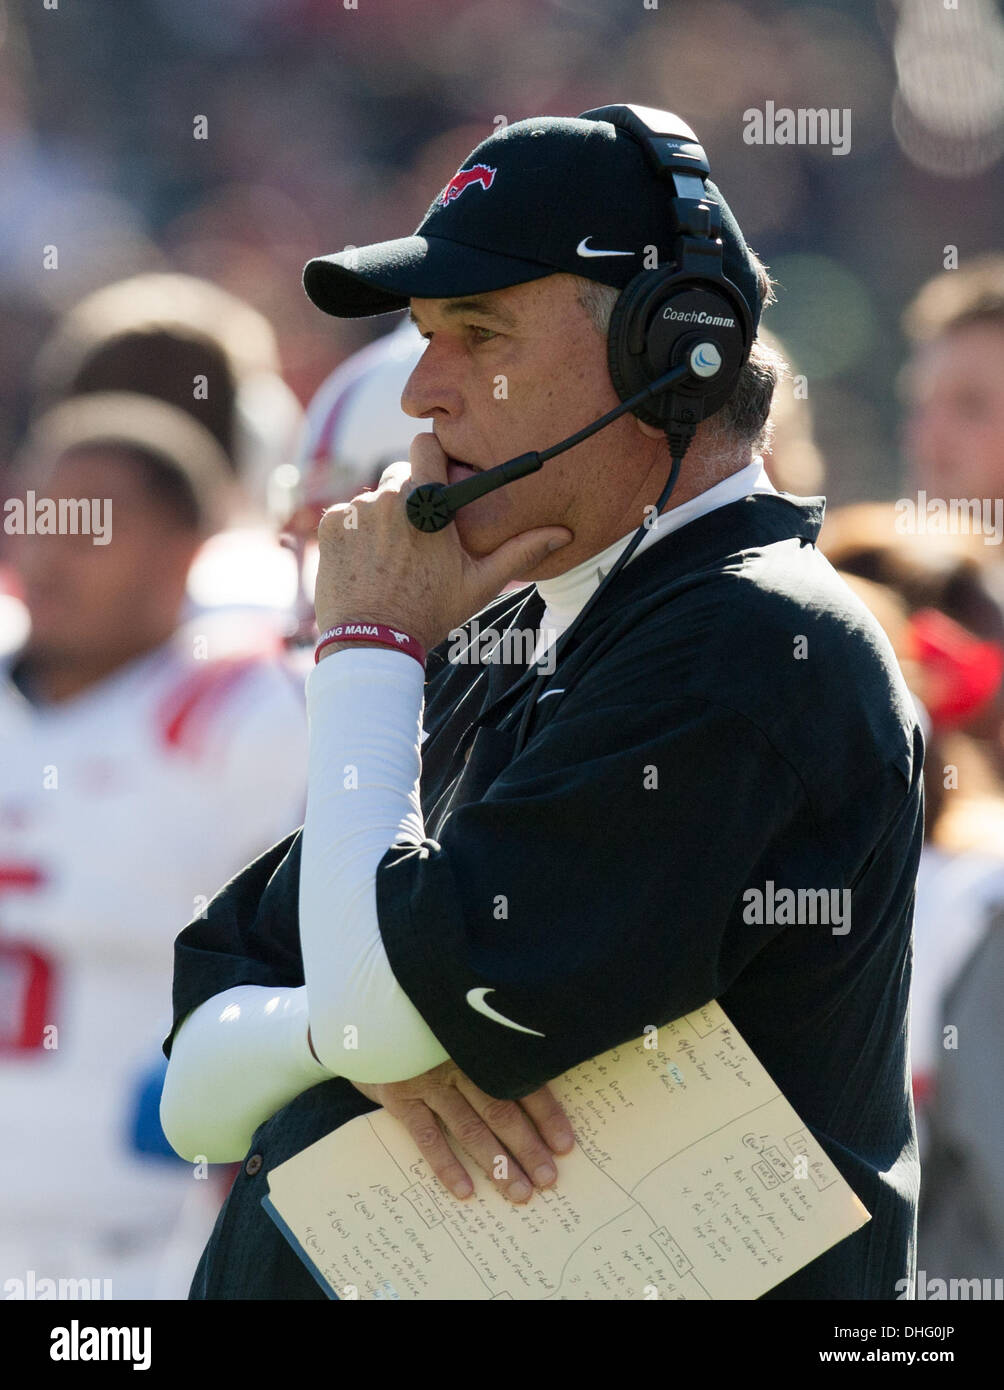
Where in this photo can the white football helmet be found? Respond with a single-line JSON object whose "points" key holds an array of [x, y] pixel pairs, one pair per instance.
{"points": [[353, 428]]}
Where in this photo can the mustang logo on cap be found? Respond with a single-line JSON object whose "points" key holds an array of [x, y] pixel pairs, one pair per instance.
{"points": [[463, 178]]}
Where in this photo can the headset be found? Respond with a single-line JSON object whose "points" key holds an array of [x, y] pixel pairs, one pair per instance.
{"points": [[687, 312], [678, 339]]}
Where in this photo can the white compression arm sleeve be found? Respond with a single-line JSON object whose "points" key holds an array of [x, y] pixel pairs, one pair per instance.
{"points": [[365, 712], [243, 1054], [236, 1059]]}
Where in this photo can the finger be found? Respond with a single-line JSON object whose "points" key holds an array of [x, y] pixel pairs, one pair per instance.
{"points": [[492, 1156], [333, 518], [520, 556], [425, 1130], [547, 1114], [395, 475], [531, 1162], [428, 459]]}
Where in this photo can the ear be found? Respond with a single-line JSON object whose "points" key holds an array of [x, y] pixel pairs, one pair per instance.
{"points": [[649, 431]]}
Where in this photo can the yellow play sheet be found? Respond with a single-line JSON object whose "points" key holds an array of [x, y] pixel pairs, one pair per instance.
{"points": [[692, 1178]]}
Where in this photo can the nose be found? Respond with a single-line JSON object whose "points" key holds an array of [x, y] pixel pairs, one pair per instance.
{"points": [[434, 389]]}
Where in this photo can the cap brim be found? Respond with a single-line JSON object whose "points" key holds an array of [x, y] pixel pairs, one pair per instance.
{"points": [[383, 277]]}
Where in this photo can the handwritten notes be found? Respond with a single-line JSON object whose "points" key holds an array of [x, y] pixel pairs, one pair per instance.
{"points": [[692, 1178]]}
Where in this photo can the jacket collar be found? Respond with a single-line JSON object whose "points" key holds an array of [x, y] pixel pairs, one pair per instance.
{"points": [[748, 524]]}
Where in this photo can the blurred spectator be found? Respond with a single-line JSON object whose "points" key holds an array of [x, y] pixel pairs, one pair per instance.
{"points": [[948, 631], [961, 1221], [955, 383], [950, 575], [185, 341], [182, 340], [139, 768]]}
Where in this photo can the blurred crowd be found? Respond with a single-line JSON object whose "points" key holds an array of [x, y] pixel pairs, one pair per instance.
{"points": [[157, 352]]}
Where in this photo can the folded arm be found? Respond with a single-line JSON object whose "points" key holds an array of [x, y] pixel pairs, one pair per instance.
{"points": [[236, 1060], [246, 1052]]}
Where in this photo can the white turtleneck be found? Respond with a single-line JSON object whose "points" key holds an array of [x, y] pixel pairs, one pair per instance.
{"points": [[365, 712]]}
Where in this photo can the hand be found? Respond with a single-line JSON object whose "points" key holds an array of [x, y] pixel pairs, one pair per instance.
{"points": [[375, 567], [524, 1133]]}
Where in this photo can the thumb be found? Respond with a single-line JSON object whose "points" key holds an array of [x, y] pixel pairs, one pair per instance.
{"points": [[521, 554]]}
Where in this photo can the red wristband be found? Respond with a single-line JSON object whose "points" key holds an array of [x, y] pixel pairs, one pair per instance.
{"points": [[370, 632]]}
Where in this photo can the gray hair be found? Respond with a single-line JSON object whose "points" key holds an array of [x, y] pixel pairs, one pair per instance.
{"points": [[745, 417]]}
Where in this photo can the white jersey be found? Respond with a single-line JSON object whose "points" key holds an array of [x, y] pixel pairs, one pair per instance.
{"points": [[122, 811], [957, 894]]}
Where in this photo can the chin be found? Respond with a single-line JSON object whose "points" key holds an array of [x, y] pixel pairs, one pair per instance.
{"points": [[553, 565], [480, 528], [482, 534]]}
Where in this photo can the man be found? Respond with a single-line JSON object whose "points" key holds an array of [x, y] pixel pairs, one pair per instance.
{"points": [[955, 384], [490, 888], [139, 769], [954, 434], [955, 442], [183, 340]]}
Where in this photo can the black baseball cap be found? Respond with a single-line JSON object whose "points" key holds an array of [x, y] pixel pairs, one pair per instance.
{"points": [[541, 196]]}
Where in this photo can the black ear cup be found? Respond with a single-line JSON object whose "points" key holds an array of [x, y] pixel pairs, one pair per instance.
{"points": [[661, 320], [688, 312]]}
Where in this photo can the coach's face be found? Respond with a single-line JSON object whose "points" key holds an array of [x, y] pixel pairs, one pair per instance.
{"points": [[519, 369]]}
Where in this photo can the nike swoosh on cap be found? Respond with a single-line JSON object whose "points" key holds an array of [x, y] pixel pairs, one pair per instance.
{"points": [[476, 999], [583, 250]]}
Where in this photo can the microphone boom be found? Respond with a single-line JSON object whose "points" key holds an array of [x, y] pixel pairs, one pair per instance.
{"points": [[431, 506]]}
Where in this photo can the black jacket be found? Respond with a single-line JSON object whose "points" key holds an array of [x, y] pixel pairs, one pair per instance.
{"points": [[729, 717]]}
